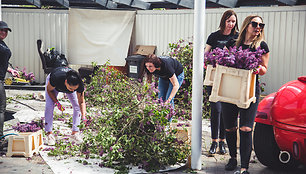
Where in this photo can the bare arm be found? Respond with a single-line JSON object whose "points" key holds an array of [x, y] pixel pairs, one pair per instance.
{"points": [[264, 64], [207, 48], [175, 88], [50, 89], [82, 104]]}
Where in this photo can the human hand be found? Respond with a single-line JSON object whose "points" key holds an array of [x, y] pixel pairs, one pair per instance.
{"points": [[257, 70], [59, 106], [14, 72], [84, 119]]}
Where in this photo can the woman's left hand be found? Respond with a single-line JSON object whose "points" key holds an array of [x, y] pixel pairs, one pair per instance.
{"points": [[14, 72]]}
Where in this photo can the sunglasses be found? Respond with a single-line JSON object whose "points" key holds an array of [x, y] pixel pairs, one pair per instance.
{"points": [[255, 24]]}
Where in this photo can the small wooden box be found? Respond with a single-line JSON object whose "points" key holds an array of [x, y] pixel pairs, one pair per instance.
{"points": [[209, 75], [183, 132], [25, 144], [232, 85]]}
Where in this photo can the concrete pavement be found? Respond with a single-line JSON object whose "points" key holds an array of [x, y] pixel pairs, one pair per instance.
{"points": [[36, 164]]}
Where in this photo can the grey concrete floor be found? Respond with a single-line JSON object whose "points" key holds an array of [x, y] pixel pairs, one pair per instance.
{"points": [[210, 164]]}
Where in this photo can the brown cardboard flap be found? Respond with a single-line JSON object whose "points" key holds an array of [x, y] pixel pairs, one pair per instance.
{"points": [[144, 49]]}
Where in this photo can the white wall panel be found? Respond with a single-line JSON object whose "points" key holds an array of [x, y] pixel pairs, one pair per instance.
{"points": [[28, 25]]}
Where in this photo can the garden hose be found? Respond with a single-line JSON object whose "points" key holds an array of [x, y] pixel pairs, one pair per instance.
{"points": [[7, 135], [24, 104]]}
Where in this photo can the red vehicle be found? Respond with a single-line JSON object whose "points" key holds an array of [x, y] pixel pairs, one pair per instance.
{"points": [[280, 131]]}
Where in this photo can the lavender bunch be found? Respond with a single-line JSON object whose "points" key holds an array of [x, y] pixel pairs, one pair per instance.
{"points": [[211, 57], [233, 57], [27, 127]]}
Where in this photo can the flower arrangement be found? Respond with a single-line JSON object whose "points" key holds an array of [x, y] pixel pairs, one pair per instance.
{"points": [[234, 57], [24, 75]]}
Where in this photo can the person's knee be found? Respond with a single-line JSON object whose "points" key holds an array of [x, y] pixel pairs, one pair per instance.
{"points": [[231, 129], [245, 129]]}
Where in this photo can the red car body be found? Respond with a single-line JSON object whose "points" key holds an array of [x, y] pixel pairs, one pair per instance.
{"points": [[282, 114]]}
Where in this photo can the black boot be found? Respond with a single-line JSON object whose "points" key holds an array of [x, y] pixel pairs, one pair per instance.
{"points": [[222, 148], [213, 147], [231, 165]]}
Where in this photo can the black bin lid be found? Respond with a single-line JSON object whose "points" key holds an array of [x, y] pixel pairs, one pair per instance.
{"points": [[135, 57]]}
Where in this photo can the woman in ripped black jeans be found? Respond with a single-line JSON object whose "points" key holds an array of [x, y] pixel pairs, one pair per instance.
{"points": [[251, 37]]}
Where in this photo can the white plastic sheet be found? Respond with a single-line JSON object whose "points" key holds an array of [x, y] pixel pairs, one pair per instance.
{"points": [[99, 36]]}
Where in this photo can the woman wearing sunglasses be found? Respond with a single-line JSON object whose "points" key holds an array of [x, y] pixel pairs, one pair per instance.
{"points": [[224, 37], [251, 37]]}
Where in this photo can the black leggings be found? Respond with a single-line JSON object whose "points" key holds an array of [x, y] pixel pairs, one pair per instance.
{"points": [[2, 106], [247, 116], [216, 122]]}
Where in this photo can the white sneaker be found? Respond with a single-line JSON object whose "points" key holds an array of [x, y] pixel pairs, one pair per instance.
{"points": [[76, 138], [50, 140]]}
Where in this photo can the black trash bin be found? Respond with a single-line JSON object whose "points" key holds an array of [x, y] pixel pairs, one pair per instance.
{"points": [[135, 65]]}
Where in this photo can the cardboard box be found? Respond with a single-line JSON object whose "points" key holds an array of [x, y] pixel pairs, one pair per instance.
{"points": [[144, 50], [232, 85]]}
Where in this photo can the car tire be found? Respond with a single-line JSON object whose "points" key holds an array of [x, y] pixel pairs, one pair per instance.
{"points": [[267, 150]]}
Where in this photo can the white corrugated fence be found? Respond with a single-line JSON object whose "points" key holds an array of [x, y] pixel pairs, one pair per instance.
{"points": [[285, 32]]}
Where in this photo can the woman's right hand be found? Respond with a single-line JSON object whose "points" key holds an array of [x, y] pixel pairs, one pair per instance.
{"points": [[59, 106]]}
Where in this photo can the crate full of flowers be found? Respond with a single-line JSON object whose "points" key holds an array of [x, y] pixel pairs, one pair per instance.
{"points": [[234, 81], [28, 141]]}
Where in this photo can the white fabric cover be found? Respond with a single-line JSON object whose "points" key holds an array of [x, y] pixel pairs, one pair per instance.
{"points": [[99, 36]]}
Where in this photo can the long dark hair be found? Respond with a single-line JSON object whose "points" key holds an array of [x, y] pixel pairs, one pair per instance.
{"points": [[74, 78], [227, 14], [152, 58]]}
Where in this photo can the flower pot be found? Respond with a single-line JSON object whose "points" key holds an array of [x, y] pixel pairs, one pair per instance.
{"points": [[232, 85], [209, 76]]}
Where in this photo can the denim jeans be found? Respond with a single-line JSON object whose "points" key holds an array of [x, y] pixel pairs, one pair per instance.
{"points": [[165, 87], [2, 106], [50, 108]]}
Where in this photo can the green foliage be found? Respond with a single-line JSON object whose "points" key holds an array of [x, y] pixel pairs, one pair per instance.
{"points": [[183, 52], [127, 125]]}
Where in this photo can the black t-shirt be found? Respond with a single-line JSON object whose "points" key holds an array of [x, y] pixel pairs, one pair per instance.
{"points": [[217, 39], [5, 55], [168, 67], [58, 77], [263, 45]]}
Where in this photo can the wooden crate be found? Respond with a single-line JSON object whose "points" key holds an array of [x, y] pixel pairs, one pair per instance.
{"points": [[183, 132], [209, 75], [25, 144], [232, 85]]}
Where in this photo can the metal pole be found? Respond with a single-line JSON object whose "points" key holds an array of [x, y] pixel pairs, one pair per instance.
{"points": [[0, 10], [197, 84]]}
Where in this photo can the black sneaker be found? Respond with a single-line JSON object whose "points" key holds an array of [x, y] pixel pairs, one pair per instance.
{"points": [[222, 148], [239, 172], [213, 147], [231, 165]]}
